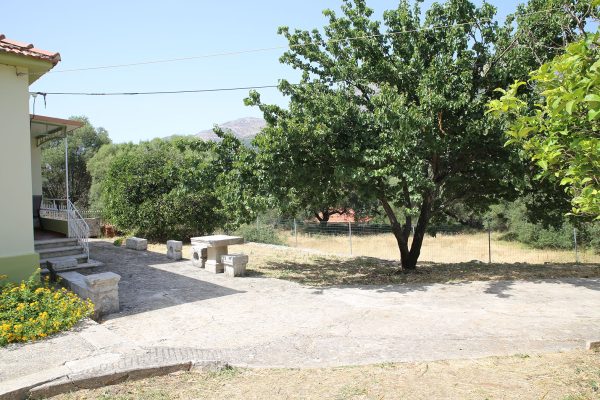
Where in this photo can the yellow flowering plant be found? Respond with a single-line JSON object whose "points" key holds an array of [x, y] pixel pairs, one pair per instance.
{"points": [[33, 310]]}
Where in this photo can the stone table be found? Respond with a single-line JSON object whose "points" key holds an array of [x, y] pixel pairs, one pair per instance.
{"points": [[216, 247]]}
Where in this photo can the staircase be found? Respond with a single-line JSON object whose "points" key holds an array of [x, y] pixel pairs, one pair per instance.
{"points": [[64, 249]]}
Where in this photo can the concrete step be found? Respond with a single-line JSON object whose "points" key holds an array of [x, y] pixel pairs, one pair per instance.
{"points": [[81, 258], [53, 243], [82, 265], [60, 252]]}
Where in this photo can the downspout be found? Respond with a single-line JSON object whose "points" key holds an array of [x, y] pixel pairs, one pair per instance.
{"points": [[67, 183]]}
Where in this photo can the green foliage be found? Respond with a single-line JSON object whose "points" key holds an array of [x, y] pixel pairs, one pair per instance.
{"points": [[83, 144], [98, 167], [397, 119], [164, 189], [118, 242], [512, 219], [260, 234], [34, 310], [560, 132]]}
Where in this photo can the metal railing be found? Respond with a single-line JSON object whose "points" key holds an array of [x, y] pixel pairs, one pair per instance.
{"points": [[65, 210], [78, 228], [54, 209]]}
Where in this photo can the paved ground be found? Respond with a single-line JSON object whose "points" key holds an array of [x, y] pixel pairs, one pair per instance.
{"points": [[268, 322]]}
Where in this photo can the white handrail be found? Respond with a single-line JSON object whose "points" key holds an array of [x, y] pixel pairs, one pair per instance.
{"points": [[78, 228]]}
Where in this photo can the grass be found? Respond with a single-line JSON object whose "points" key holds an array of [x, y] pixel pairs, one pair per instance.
{"points": [[570, 375], [329, 270], [443, 248]]}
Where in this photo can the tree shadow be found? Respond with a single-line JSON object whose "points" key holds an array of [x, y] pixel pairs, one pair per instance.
{"points": [[369, 273], [150, 281]]}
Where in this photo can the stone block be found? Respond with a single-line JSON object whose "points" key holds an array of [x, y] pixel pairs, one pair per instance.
{"points": [[199, 255], [102, 289], [593, 345], [136, 243], [174, 248], [214, 267], [234, 259], [63, 264], [234, 264]]}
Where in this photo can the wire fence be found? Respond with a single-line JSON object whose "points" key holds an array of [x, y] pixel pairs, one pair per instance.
{"points": [[448, 245]]}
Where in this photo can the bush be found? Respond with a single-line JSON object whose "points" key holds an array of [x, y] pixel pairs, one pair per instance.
{"points": [[260, 234], [512, 220], [163, 189], [34, 310]]}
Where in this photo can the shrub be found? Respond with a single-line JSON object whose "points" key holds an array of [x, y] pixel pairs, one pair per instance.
{"points": [[118, 242], [259, 234], [34, 310], [163, 189]]}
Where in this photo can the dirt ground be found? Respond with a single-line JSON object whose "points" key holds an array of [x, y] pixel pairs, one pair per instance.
{"points": [[327, 270], [562, 376]]}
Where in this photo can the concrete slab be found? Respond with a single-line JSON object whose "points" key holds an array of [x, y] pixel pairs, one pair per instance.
{"points": [[261, 322], [270, 322], [218, 240]]}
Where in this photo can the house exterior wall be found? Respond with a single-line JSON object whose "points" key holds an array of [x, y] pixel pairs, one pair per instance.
{"points": [[36, 168], [17, 257]]}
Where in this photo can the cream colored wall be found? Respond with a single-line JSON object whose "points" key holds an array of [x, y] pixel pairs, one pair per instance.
{"points": [[36, 168], [16, 225]]}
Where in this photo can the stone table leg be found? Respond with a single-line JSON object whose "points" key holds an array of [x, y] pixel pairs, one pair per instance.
{"points": [[213, 259]]}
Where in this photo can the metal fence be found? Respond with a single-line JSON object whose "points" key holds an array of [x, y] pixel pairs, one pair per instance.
{"points": [[448, 245]]}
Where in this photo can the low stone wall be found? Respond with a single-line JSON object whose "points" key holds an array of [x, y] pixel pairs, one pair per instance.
{"points": [[102, 289]]}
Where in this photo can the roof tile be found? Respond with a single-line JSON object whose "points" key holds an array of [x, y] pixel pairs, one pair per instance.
{"points": [[27, 50]]}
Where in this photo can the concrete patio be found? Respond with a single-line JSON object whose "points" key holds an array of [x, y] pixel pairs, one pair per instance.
{"points": [[260, 322]]}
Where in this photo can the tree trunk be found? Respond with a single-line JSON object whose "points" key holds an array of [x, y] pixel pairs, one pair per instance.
{"points": [[410, 256], [323, 217], [400, 234]]}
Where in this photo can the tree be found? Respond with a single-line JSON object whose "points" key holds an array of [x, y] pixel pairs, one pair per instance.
{"points": [[164, 189], [393, 117], [82, 146], [560, 131], [98, 167]]}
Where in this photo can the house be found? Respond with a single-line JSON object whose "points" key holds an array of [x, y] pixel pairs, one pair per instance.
{"points": [[21, 64]]}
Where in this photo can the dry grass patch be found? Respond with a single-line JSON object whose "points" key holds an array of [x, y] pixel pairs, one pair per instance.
{"points": [[444, 248], [325, 270], [563, 376]]}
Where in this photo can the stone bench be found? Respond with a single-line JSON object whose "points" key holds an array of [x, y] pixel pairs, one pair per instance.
{"points": [[102, 289], [235, 264], [216, 247], [174, 249], [199, 255], [136, 243]]}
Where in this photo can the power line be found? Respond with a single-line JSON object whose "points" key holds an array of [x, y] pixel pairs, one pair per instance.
{"points": [[265, 49], [152, 92]]}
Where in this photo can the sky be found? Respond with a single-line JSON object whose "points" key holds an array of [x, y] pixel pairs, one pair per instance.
{"points": [[109, 32]]}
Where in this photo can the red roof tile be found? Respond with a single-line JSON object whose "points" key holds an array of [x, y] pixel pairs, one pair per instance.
{"points": [[27, 50]]}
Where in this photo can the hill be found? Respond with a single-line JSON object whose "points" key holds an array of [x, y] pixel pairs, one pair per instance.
{"points": [[244, 129]]}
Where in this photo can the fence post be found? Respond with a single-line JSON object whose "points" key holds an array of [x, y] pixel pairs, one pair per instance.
{"points": [[489, 244], [350, 235], [296, 232], [575, 242]]}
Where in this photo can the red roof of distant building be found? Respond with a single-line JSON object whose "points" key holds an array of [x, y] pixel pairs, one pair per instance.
{"points": [[27, 50]]}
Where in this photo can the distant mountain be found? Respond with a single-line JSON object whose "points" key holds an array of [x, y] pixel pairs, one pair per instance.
{"points": [[243, 128]]}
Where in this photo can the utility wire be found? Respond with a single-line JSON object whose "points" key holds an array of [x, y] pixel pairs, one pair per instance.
{"points": [[265, 49], [152, 92]]}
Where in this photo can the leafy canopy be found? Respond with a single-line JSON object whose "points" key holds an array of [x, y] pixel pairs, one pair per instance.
{"points": [[83, 144], [560, 131], [396, 118]]}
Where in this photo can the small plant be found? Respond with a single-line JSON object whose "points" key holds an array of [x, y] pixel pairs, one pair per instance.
{"points": [[118, 242], [34, 310]]}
